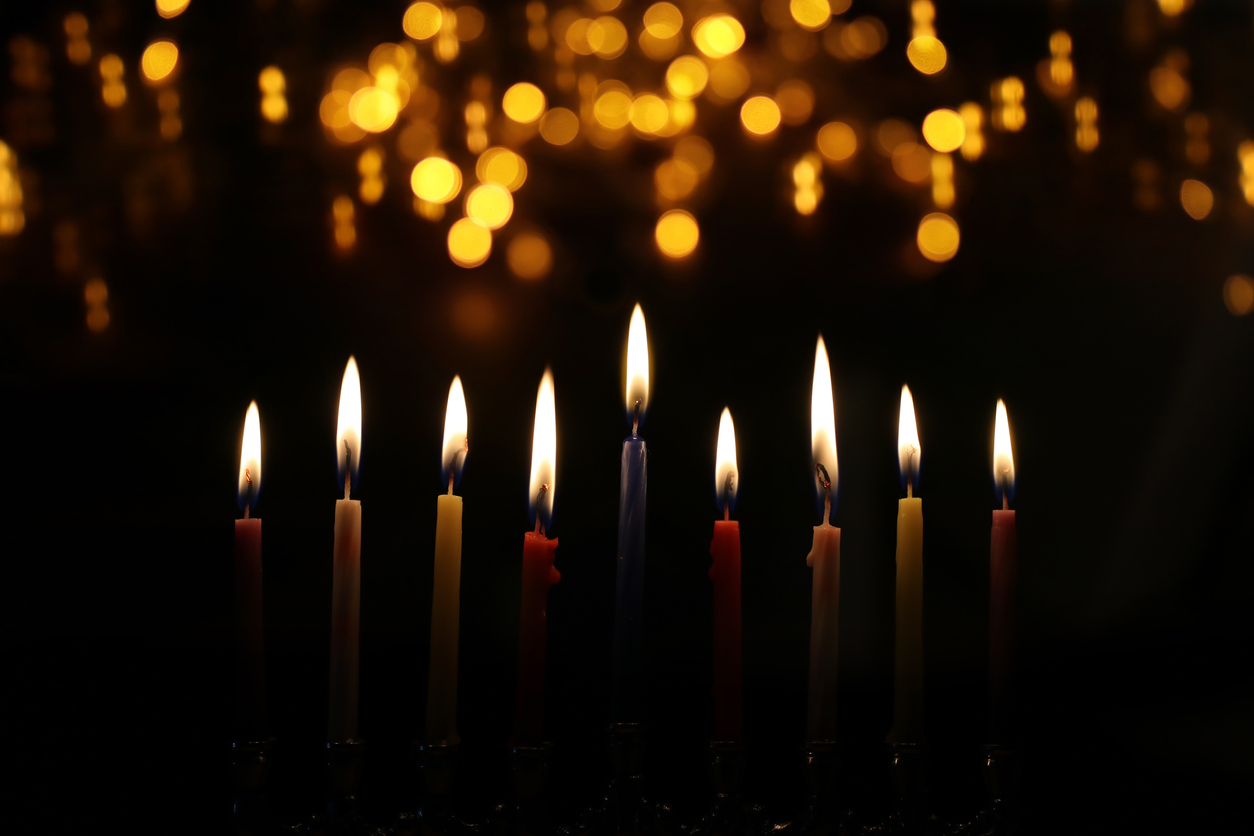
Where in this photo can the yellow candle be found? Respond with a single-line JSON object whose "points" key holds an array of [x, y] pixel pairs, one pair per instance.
{"points": [[446, 589], [908, 684]]}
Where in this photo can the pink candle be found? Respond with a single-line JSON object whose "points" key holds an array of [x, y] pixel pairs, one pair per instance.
{"points": [[1001, 605], [250, 680], [725, 573], [824, 557], [346, 568]]}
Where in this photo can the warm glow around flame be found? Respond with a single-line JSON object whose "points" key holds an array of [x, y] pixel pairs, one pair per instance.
{"points": [[823, 419], [348, 428], [543, 453], [637, 364], [1003, 455], [908, 450], [250, 459], [726, 474], [455, 448]]}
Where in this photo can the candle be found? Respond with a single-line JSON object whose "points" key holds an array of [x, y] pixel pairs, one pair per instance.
{"points": [[1001, 607], [908, 689], [824, 557], [446, 588], [538, 573], [632, 485], [725, 573], [250, 680], [346, 571]]}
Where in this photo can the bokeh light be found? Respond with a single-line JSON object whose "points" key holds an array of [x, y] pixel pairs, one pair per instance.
{"points": [[675, 178], [172, 8], [973, 122], [436, 180], [729, 79], [938, 237], [837, 141], [1239, 295], [559, 126], [760, 115], [718, 35], [796, 101], [811, 14], [613, 108], [422, 21], [113, 91], [501, 167], [1086, 134], [696, 151], [927, 54], [687, 76], [891, 133], [524, 103], [529, 256], [648, 113], [944, 130], [469, 243], [1196, 198], [663, 20], [677, 233], [490, 205], [912, 162], [373, 109], [159, 60]]}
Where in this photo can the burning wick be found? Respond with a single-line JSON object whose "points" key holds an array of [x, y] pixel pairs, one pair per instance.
{"points": [[539, 520], [727, 498], [348, 468], [910, 471], [452, 471], [826, 482], [1005, 496], [635, 418], [248, 477]]}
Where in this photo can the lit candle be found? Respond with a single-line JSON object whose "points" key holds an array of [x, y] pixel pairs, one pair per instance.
{"points": [[632, 485], [725, 573], [346, 571], [250, 680], [908, 714], [538, 573], [1001, 607], [824, 557], [446, 589]]}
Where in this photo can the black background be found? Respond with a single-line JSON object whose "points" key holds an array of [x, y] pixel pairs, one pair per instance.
{"points": [[1127, 381]]}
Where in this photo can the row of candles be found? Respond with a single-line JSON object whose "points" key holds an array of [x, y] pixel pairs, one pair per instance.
{"points": [[539, 574]]}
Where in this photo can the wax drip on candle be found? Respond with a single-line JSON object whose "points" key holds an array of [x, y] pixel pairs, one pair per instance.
{"points": [[827, 489], [539, 499]]}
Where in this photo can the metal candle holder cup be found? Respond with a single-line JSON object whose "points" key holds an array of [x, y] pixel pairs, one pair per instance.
{"points": [[824, 814], [251, 762], [729, 814]]}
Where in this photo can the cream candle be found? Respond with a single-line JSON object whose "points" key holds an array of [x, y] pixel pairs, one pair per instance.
{"points": [[346, 567], [824, 557], [908, 679], [250, 680]]}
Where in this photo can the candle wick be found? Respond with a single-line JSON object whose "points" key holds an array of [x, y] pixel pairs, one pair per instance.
{"points": [[245, 512], [728, 493], [726, 513], [544, 488], [910, 489], [450, 483], [1005, 501], [348, 468], [635, 419], [825, 482], [248, 498]]}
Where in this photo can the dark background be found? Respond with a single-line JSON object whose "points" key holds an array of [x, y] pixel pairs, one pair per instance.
{"points": [[1127, 381]]}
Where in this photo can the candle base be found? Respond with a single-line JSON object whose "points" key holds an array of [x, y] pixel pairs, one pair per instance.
{"points": [[824, 813], [433, 815], [342, 816], [908, 766], [729, 813], [624, 810], [251, 763], [528, 814], [1002, 816]]}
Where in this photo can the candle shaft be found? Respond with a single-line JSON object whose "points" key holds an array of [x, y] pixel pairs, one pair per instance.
{"points": [[445, 609], [725, 573], [908, 714], [345, 621], [824, 557], [629, 614], [1001, 618], [538, 575], [250, 682]]}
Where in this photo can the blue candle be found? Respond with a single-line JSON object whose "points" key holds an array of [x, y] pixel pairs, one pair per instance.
{"points": [[632, 485]]}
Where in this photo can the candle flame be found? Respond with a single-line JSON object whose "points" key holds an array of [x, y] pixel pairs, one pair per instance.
{"points": [[250, 459], [726, 474], [348, 428], [543, 454], [823, 424], [1003, 455], [908, 449], [637, 366], [455, 445]]}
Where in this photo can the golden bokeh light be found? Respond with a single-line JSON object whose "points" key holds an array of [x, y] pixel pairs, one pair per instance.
{"points": [[373, 109], [1196, 198], [1245, 156], [172, 8], [938, 237], [760, 115], [271, 81], [972, 121], [729, 79], [469, 243], [675, 178], [796, 101], [436, 180], [811, 14], [1239, 295], [96, 292], [613, 109], [422, 21], [501, 167], [891, 133], [648, 114], [1169, 87], [114, 90], [1171, 8], [682, 113], [942, 180], [927, 54], [605, 5], [808, 189], [663, 20], [912, 162], [837, 141], [944, 130], [559, 126], [658, 49], [77, 47], [1008, 112], [529, 256], [273, 94], [490, 205], [613, 37], [585, 36], [677, 233], [696, 151], [718, 35], [470, 23], [687, 76], [342, 212], [1086, 134], [524, 103], [159, 60]]}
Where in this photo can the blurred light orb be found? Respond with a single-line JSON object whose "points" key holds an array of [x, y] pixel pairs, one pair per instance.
{"points": [[938, 237], [559, 126], [837, 141], [98, 319], [96, 292], [1196, 198], [524, 103], [529, 256], [172, 8], [718, 35], [1239, 295], [612, 109], [927, 54], [605, 5], [271, 81], [470, 22], [373, 109], [677, 233], [159, 60], [944, 130], [696, 151], [891, 133], [436, 180], [613, 37], [469, 243], [796, 101], [912, 162], [760, 115], [501, 167], [675, 178], [648, 113], [687, 76], [729, 79], [663, 20], [1169, 87], [585, 36], [658, 49], [422, 21], [811, 14], [490, 205]]}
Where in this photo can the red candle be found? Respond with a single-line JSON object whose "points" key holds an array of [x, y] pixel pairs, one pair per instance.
{"points": [[725, 573], [538, 573], [1001, 608], [346, 568], [824, 557], [250, 680]]}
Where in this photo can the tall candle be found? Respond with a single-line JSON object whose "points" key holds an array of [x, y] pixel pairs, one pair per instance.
{"points": [[824, 557], [538, 573], [346, 567], [446, 587], [250, 680], [628, 645], [1001, 605], [908, 685], [725, 573]]}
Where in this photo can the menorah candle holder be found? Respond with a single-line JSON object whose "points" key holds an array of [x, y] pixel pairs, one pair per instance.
{"points": [[528, 814], [729, 813], [824, 813], [911, 814], [1002, 768], [341, 816], [433, 813], [251, 763], [625, 810]]}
